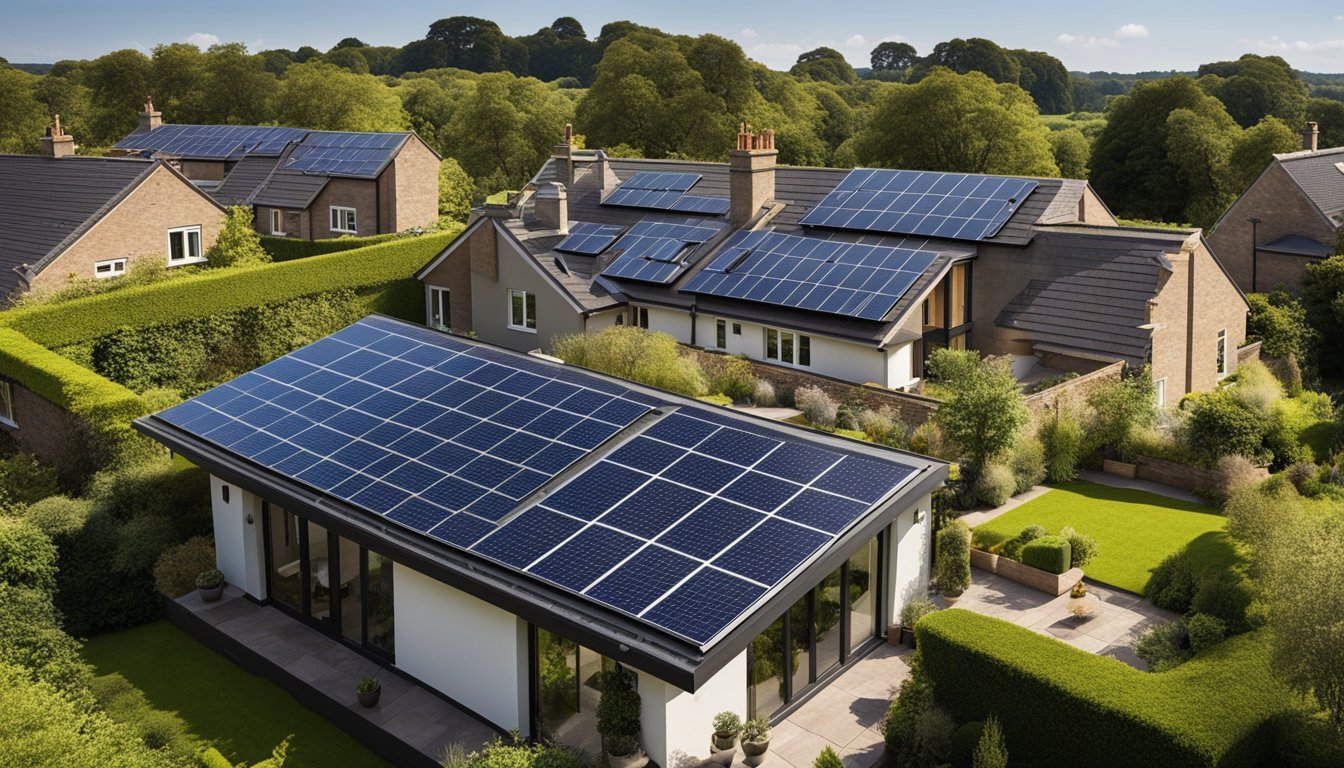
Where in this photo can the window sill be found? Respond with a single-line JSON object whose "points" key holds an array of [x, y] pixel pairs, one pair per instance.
{"points": [[345, 231], [522, 329], [186, 262]]}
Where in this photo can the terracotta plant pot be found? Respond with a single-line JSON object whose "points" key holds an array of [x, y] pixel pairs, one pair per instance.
{"points": [[951, 598], [211, 594], [724, 740]]}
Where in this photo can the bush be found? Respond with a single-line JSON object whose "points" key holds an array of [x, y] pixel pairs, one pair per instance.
{"points": [[27, 556], [291, 248], [651, 358], [1061, 437], [828, 759], [618, 712], [1205, 631], [31, 637], [1173, 583], [817, 406], [59, 517], [238, 243], [994, 484], [882, 426], [1234, 472], [1221, 425], [951, 368], [25, 480], [1028, 464], [1165, 646], [157, 729], [763, 394], [176, 571], [1048, 553], [846, 417], [1082, 548], [1216, 710], [929, 440], [964, 741], [1120, 409], [952, 566], [732, 376], [991, 752], [1012, 548], [1225, 596], [1256, 388], [914, 698], [914, 610], [986, 412]]}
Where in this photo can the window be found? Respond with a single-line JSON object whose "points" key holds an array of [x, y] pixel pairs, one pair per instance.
{"points": [[642, 317], [1160, 392], [440, 309], [1222, 353], [109, 268], [522, 310], [737, 329], [277, 222], [788, 347], [184, 246], [7, 404], [342, 219], [720, 334]]}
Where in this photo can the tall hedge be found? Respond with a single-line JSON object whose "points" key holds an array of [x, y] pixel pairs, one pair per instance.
{"points": [[291, 248], [1074, 708]]}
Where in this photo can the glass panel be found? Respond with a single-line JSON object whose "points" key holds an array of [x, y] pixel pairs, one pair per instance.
{"points": [[720, 334], [862, 597], [319, 574], [6, 401], [799, 639], [284, 558], [765, 670], [531, 310], [516, 307], [826, 608], [175, 245], [380, 603], [772, 344], [804, 350], [194, 243], [958, 301], [786, 347], [352, 613], [335, 219], [569, 690], [442, 308]]}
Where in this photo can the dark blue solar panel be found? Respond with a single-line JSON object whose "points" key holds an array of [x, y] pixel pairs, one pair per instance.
{"points": [[584, 558], [704, 604], [653, 508], [772, 550], [702, 472], [807, 272], [822, 510], [642, 579], [715, 206], [213, 142], [595, 491], [419, 514], [864, 479], [462, 530], [661, 181], [952, 205], [681, 430], [655, 251], [527, 537], [760, 491], [738, 446], [588, 238], [649, 455], [711, 528], [334, 153]]}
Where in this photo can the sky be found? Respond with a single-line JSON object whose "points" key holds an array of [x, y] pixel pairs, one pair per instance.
{"points": [[1133, 36]]}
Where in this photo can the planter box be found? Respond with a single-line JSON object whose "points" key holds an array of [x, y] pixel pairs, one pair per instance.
{"points": [[1120, 468], [1049, 583]]}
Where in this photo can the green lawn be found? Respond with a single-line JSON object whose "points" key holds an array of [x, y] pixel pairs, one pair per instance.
{"points": [[242, 715], [1135, 530]]}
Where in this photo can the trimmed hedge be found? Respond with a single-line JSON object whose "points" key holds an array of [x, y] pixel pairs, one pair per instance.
{"points": [[214, 292], [1074, 708], [1049, 553], [291, 248]]}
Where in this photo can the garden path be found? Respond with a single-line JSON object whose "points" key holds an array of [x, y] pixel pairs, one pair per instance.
{"points": [[1115, 481]]}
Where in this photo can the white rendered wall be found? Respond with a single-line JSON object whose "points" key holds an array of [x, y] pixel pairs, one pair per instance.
{"points": [[604, 320], [859, 363], [671, 321], [238, 542], [900, 366], [468, 649], [675, 724], [908, 558]]}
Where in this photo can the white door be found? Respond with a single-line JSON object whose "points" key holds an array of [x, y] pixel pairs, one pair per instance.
{"points": [[439, 309]]}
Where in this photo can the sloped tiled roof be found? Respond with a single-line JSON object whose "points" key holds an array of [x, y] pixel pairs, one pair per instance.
{"points": [[244, 180], [1321, 177], [286, 189]]}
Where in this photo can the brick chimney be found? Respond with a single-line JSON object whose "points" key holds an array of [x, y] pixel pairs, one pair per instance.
{"points": [[552, 206], [149, 117], [56, 143], [751, 174], [1310, 134], [563, 154]]}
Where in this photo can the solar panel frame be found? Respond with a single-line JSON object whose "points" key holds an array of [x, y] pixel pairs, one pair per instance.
{"points": [[588, 238]]}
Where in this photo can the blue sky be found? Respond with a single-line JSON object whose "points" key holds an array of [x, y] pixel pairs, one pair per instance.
{"points": [[1123, 37]]}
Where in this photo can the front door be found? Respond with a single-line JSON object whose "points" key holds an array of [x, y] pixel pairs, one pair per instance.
{"points": [[440, 309]]}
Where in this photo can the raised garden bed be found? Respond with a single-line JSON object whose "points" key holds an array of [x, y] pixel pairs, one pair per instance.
{"points": [[1049, 583]]}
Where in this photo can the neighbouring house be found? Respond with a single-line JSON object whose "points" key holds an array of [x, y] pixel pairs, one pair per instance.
{"points": [[67, 217], [856, 275], [1292, 215], [301, 183], [500, 527]]}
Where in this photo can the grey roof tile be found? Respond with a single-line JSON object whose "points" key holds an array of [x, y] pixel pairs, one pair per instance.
{"points": [[1321, 176]]}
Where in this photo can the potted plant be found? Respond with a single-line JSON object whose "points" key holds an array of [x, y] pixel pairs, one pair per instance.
{"points": [[952, 569], [618, 719], [726, 727], [911, 613], [1079, 604], [368, 689], [755, 740], [210, 584]]}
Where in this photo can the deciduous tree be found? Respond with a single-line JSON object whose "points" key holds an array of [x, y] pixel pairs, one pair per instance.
{"points": [[891, 56]]}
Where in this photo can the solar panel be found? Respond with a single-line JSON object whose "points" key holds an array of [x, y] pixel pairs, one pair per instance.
{"points": [[336, 153], [589, 239], [665, 192], [213, 142], [808, 272], [663, 182], [952, 205], [656, 251]]}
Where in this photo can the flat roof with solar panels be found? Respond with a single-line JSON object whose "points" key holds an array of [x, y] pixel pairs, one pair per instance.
{"points": [[678, 526]]}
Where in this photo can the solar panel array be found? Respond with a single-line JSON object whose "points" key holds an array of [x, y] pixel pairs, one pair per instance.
{"points": [[686, 524], [952, 205], [589, 239], [333, 153], [808, 272], [665, 192], [213, 142], [657, 251]]}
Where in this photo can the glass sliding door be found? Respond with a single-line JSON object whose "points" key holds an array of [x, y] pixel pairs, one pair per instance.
{"points": [[863, 595], [378, 589], [350, 593], [568, 690], [284, 566], [826, 619], [765, 671]]}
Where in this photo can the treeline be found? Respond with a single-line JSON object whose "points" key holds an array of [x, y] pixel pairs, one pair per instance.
{"points": [[1168, 148]]}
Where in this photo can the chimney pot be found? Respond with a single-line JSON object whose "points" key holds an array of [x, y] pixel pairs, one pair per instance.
{"points": [[150, 118], [1310, 136]]}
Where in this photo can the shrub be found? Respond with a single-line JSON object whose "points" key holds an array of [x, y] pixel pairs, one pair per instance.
{"points": [[933, 736], [756, 729], [1082, 548], [913, 699], [828, 759], [1165, 646], [1028, 464], [1234, 472], [31, 637], [27, 556], [929, 440], [1225, 596], [59, 517], [176, 571], [1256, 388], [1305, 477], [651, 358], [1049, 553], [1173, 583], [291, 248], [1221, 425], [727, 722], [763, 394], [951, 368], [1215, 710], [991, 752], [986, 412], [1280, 323], [1061, 437], [1012, 548], [209, 578], [618, 712], [952, 566], [1120, 409], [732, 376], [914, 610], [882, 426], [994, 484], [964, 741], [1205, 631], [817, 406], [238, 243], [25, 480], [157, 729]]}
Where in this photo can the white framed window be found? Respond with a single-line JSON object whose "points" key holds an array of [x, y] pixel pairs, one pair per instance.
{"points": [[1222, 353], [277, 222], [7, 404], [721, 334], [440, 309], [184, 246], [343, 219], [1160, 392], [641, 317], [522, 310], [109, 268], [737, 329], [788, 347]]}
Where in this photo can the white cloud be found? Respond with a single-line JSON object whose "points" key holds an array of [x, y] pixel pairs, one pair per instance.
{"points": [[856, 41], [1086, 41], [203, 39], [750, 33], [1277, 43], [1132, 31]]}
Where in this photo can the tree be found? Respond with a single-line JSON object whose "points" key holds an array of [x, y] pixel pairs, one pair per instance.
{"points": [[23, 118], [1199, 147], [178, 74], [120, 81], [975, 54], [568, 28], [893, 56], [985, 412], [478, 45], [238, 243], [724, 69], [321, 96], [1280, 322], [1255, 147], [240, 89], [825, 65], [990, 752], [349, 59], [1120, 409], [1328, 114], [1046, 79], [960, 123], [350, 42], [1323, 300], [1071, 151], [1254, 87], [455, 191], [1221, 425], [503, 131]]}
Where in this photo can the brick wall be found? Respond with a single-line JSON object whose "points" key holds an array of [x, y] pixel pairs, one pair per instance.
{"points": [[1249, 353], [360, 194], [48, 431], [1181, 476], [1073, 393], [415, 182], [137, 228]]}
